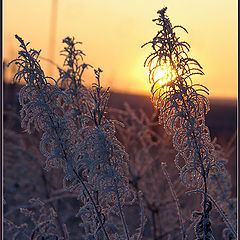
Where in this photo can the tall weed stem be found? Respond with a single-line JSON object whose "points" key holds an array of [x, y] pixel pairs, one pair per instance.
{"points": [[163, 165], [182, 111]]}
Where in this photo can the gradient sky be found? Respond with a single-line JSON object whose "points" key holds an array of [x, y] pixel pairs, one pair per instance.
{"points": [[112, 32]]}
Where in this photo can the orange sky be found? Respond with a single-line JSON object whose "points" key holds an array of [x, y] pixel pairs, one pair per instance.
{"points": [[112, 32]]}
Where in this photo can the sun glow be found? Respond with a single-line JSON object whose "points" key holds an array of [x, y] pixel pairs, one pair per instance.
{"points": [[162, 74]]}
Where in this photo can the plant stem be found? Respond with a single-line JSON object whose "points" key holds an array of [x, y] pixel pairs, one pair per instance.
{"points": [[219, 210], [203, 171], [95, 207], [83, 184], [120, 211], [176, 200]]}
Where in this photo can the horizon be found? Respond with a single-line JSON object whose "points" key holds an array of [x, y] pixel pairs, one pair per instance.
{"points": [[114, 91]]}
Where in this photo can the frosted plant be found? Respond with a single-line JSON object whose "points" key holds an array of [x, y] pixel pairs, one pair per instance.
{"points": [[43, 224], [103, 159], [182, 112], [219, 186], [22, 156], [42, 107], [93, 160], [71, 79]]}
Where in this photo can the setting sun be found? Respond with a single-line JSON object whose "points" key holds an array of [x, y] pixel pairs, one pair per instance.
{"points": [[161, 74]]}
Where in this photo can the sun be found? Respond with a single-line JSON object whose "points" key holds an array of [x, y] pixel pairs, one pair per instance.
{"points": [[162, 74]]}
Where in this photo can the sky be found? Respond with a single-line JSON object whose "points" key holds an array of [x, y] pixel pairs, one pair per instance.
{"points": [[112, 33]]}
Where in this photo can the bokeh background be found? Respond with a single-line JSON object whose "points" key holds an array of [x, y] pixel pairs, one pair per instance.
{"points": [[113, 32]]}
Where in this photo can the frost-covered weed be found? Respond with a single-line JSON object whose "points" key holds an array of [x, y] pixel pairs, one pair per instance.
{"points": [[182, 109], [71, 80], [219, 186], [78, 138]]}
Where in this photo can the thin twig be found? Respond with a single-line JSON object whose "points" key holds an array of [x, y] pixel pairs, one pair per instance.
{"points": [[163, 165]]}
